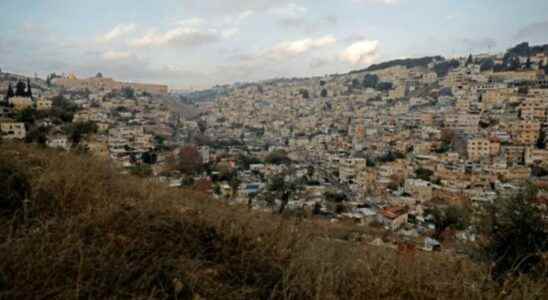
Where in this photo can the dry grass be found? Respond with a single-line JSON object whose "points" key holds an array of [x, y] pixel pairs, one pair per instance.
{"points": [[89, 233]]}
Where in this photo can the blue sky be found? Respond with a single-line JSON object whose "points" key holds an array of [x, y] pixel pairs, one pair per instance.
{"points": [[199, 43]]}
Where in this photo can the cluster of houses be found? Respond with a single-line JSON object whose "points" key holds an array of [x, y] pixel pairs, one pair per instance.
{"points": [[378, 147], [464, 138]]}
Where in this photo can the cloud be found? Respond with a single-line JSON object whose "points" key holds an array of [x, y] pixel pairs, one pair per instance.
{"points": [[294, 48], [116, 32], [361, 53], [290, 11], [178, 37]]}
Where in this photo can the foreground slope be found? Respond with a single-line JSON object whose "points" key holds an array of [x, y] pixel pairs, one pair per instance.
{"points": [[86, 232]]}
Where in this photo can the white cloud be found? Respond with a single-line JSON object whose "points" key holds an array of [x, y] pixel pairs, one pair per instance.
{"points": [[361, 53], [179, 36], [290, 10], [116, 32], [293, 48]]}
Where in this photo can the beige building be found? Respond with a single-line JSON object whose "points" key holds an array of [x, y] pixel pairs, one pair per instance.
{"points": [[21, 103], [44, 104], [12, 130], [105, 84], [528, 132], [533, 156], [478, 149], [533, 108], [419, 189]]}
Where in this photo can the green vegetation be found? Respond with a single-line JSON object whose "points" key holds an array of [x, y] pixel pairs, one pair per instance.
{"points": [[424, 174], [77, 131], [517, 239], [442, 69], [189, 161], [409, 63], [277, 157], [87, 232], [454, 216]]}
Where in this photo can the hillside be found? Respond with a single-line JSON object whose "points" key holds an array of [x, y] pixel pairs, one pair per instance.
{"points": [[408, 62], [88, 233]]}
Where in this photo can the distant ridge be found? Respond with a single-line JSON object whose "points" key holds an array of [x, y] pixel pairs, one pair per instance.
{"points": [[407, 62]]}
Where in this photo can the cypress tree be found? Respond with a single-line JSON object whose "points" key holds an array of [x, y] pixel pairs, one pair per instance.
{"points": [[29, 90], [10, 92], [20, 89]]}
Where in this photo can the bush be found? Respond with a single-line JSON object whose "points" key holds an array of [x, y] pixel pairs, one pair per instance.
{"points": [[516, 236], [14, 186], [424, 174]]}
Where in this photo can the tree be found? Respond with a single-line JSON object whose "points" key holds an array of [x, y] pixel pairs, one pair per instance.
{"points": [[63, 109], [514, 64], [487, 64], [469, 61], [10, 93], [20, 89], [277, 157], [304, 93], [424, 174], [455, 217], [528, 63], [79, 130], [149, 158], [323, 93], [37, 135], [202, 126], [370, 81], [128, 92], [515, 234], [189, 160], [99, 75], [279, 188], [25, 116], [234, 183], [384, 86], [15, 187], [141, 170], [29, 89], [355, 83]]}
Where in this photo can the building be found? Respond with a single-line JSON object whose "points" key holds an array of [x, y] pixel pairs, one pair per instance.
{"points": [[20, 103], [12, 130], [58, 141], [528, 132], [108, 84], [420, 189], [43, 104], [478, 149], [533, 156]]}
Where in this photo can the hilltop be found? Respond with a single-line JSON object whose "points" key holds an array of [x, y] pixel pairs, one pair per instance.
{"points": [[86, 233]]}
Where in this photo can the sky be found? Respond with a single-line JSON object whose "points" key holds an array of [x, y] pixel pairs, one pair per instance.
{"points": [[194, 44]]}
